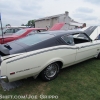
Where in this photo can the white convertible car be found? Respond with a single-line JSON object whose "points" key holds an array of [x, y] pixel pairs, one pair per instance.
{"points": [[46, 53]]}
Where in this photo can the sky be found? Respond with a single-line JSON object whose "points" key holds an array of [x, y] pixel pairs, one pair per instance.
{"points": [[17, 12]]}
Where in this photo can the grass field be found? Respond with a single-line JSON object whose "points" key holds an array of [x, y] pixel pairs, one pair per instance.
{"points": [[78, 82]]}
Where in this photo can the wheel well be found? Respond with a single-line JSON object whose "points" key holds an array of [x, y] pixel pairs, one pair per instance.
{"points": [[60, 63]]}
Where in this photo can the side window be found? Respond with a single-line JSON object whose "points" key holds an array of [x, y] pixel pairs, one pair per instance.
{"points": [[68, 39], [80, 38], [16, 29], [98, 37], [9, 31]]}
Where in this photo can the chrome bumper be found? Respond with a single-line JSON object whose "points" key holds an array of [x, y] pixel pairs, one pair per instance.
{"points": [[4, 78]]}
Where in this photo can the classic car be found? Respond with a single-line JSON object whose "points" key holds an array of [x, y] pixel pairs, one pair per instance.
{"points": [[19, 34], [45, 53]]}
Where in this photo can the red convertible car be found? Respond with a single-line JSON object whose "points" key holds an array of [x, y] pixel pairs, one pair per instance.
{"points": [[20, 34]]}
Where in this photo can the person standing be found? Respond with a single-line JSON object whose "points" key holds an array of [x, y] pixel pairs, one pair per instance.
{"points": [[47, 27], [84, 25]]}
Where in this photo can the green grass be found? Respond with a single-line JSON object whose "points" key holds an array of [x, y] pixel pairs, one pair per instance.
{"points": [[77, 82]]}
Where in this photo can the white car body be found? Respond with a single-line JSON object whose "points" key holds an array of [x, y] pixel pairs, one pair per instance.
{"points": [[18, 66]]}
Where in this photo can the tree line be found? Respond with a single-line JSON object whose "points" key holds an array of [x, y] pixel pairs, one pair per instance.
{"points": [[30, 23]]}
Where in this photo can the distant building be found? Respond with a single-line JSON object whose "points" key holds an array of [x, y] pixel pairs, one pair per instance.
{"points": [[48, 22]]}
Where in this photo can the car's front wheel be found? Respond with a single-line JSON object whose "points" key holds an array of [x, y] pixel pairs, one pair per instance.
{"points": [[50, 72]]}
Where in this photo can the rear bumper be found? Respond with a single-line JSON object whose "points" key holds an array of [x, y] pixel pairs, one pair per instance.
{"points": [[4, 78]]}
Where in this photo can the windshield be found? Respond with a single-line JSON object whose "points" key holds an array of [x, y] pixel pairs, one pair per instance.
{"points": [[36, 38], [20, 32]]}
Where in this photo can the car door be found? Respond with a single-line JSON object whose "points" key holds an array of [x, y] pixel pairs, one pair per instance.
{"points": [[85, 48], [69, 53]]}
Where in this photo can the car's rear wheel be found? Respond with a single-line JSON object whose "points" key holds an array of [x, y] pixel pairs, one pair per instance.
{"points": [[50, 72]]}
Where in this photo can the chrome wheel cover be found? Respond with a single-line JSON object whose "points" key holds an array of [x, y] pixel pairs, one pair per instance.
{"points": [[52, 70]]}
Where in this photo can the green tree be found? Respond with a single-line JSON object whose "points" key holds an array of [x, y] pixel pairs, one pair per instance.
{"points": [[8, 25], [22, 25], [31, 23]]}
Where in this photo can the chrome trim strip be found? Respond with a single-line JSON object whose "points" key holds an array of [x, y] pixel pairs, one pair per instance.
{"points": [[42, 52], [51, 50], [90, 45]]}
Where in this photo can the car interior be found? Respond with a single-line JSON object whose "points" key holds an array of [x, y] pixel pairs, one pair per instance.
{"points": [[80, 38], [75, 39]]}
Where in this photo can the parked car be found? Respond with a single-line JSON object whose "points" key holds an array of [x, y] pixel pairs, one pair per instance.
{"points": [[9, 31], [57, 26], [47, 52], [20, 34]]}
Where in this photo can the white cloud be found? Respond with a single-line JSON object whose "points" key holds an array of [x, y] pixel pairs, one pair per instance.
{"points": [[84, 10], [96, 2], [16, 12]]}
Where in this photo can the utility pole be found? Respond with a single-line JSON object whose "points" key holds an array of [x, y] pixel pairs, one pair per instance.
{"points": [[1, 29]]}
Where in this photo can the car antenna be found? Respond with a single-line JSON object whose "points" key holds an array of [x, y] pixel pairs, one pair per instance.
{"points": [[1, 29]]}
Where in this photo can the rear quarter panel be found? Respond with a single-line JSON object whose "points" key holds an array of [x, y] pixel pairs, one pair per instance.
{"points": [[32, 63]]}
